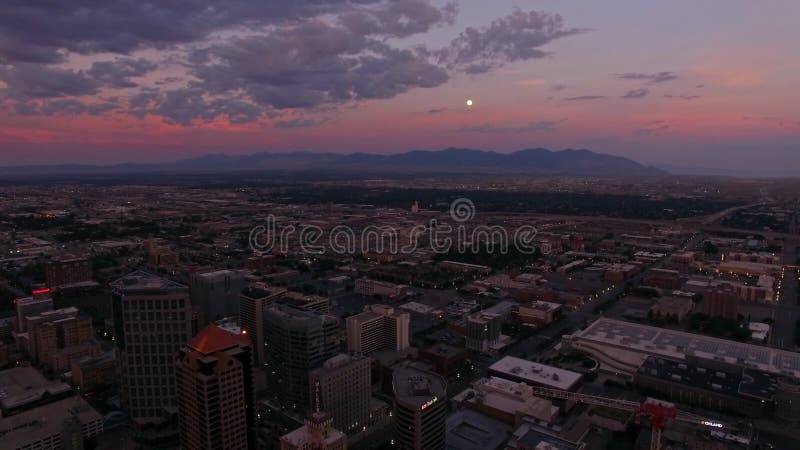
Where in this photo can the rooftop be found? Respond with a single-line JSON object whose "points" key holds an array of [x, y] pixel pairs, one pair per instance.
{"points": [[541, 374], [213, 338], [20, 386], [29, 426], [144, 281], [677, 344], [471, 430], [417, 386]]}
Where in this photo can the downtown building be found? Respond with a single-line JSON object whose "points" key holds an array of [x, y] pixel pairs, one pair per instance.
{"points": [[216, 400], [152, 321], [296, 342], [216, 295], [343, 388], [67, 270], [378, 327], [253, 300], [420, 404]]}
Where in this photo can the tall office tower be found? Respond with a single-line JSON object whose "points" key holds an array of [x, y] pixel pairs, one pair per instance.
{"points": [[252, 302], [31, 306], [379, 327], [483, 330], [343, 387], [215, 294], [296, 342], [67, 269], [152, 321], [420, 404], [216, 399]]}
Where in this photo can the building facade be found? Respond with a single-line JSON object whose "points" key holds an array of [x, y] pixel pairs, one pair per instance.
{"points": [[378, 327], [343, 386], [152, 321], [296, 342], [252, 302], [420, 406], [215, 390]]}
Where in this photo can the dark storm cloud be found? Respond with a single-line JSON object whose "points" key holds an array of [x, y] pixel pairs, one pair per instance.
{"points": [[658, 77], [515, 37], [636, 93]]}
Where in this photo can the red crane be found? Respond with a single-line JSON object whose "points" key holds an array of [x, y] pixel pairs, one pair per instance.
{"points": [[659, 412]]}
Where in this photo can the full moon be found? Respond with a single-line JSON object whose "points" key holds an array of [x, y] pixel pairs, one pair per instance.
{"points": [[469, 102]]}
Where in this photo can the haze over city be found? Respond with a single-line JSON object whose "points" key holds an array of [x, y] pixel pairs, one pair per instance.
{"points": [[682, 85]]}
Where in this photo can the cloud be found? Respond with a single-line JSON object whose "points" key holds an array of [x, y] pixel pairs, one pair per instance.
{"points": [[531, 127], [246, 60], [636, 93], [436, 110], [516, 37], [585, 97], [653, 128], [117, 73], [682, 96], [299, 123], [532, 82], [560, 87], [27, 81], [658, 77]]}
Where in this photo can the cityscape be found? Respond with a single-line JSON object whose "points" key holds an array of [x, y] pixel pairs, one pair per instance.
{"points": [[399, 224]]}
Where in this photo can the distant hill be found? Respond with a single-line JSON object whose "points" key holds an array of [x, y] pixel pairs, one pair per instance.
{"points": [[536, 162]]}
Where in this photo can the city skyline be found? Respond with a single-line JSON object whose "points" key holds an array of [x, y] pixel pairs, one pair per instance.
{"points": [[675, 85]]}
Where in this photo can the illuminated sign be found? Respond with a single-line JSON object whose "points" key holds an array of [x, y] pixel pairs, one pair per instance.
{"points": [[41, 291], [428, 403], [711, 424]]}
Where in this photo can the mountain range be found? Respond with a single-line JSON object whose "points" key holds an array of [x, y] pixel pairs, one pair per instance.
{"points": [[535, 162]]}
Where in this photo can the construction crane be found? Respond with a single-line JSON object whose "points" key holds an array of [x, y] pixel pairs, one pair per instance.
{"points": [[659, 412]]}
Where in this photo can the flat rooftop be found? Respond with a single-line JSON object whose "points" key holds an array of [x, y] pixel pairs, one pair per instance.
{"points": [[673, 344], [144, 281], [29, 426], [531, 372], [417, 386], [470, 430], [20, 386]]}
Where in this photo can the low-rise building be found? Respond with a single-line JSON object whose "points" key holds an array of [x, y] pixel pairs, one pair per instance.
{"points": [[535, 374]]}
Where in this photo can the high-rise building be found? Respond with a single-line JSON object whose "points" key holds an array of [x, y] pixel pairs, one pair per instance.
{"points": [[420, 404], [67, 269], [252, 302], [482, 330], [296, 342], [379, 327], [215, 391], [215, 294], [343, 387], [720, 301], [152, 321]]}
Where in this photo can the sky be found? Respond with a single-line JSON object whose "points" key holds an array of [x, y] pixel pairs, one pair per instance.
{"points": [[678, 84]]}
